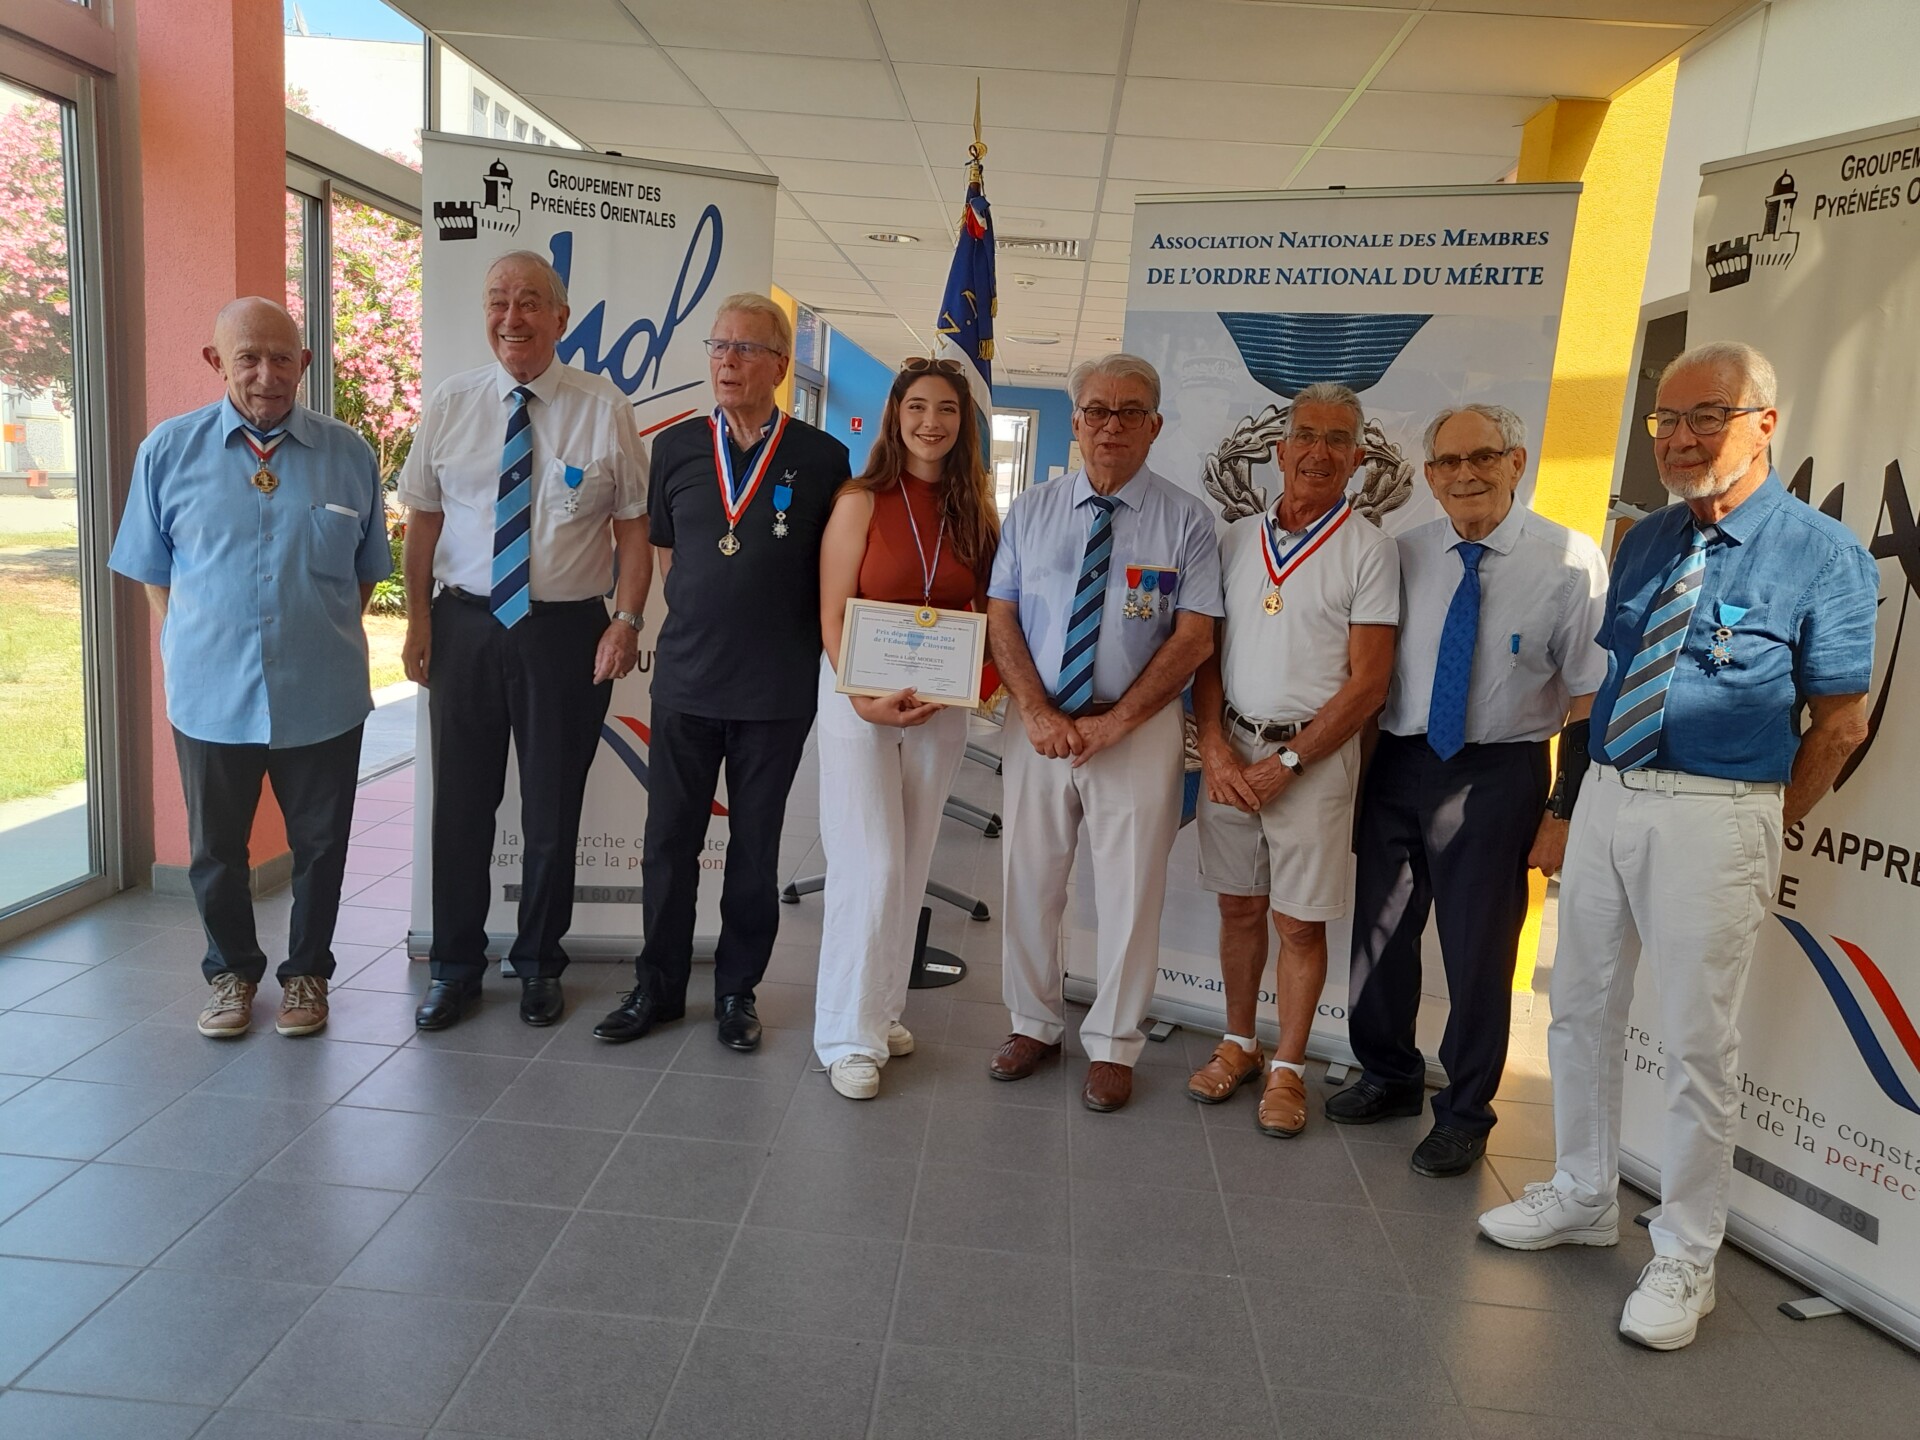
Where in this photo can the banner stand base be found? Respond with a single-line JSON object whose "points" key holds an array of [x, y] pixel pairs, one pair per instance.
{"points": [[1814, 1307]]}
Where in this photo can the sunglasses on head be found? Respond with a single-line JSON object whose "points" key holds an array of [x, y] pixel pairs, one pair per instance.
{"points": [[921, 365]]}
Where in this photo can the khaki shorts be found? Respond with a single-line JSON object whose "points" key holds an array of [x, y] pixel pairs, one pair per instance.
{"points": [[1298, 851]]}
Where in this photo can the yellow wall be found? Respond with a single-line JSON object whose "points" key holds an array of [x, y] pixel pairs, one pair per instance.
{"points": [[783, 393], [1614, 149]]}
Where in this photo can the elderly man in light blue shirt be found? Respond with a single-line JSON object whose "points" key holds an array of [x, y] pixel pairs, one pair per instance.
{"points": [[258, 530], [1103, 597]]}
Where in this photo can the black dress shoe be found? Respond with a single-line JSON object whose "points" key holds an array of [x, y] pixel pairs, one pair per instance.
{"points": [[445, 1003], [1364, 1102], [1447, 1151], [739, 1024], [540, 999], [638, 1013]]}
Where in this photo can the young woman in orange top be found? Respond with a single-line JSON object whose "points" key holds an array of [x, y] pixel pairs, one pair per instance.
{"points": [[917, 527]]}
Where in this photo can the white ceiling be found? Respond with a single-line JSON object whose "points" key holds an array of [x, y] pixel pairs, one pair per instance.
{"points": [[864, 109]]}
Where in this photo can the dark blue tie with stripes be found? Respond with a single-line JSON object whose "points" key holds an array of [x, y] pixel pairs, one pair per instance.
{"points": [[1633, 732], [513, 516], [1075, 690]]}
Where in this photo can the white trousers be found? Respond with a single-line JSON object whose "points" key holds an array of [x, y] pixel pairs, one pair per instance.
{"points": [[882, 791], [1129, 797], [1686, 878]]}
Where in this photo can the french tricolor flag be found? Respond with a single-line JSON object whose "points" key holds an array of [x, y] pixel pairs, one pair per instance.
{"points": [[1872, 1011]]}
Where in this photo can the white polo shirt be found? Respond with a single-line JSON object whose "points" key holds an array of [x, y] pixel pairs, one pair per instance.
{"points": [[1543, 596], [1284, 667], [583, 432]]}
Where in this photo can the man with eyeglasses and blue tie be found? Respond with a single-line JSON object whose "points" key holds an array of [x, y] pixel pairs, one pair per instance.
{"points": [[526, 488], [1102, 602], [1499, 607], [740, 500], [1726, 615]]}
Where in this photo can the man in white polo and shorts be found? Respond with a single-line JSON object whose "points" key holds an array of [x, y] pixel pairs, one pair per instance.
{"points": [[1302, 660]]}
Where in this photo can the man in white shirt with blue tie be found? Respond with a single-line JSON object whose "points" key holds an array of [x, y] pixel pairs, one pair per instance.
{"points": [[526, 483]]}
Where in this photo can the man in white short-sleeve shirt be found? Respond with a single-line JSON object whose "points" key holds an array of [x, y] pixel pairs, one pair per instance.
{"points": [[525, 485], [1304, 658]]}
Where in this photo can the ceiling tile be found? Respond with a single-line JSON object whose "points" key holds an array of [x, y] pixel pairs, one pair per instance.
{"points": [[777, 27], [854, 177], [1039, 100], [625, 125], [1523, 55], [1218, 110], [837, 137], [797, 84], [1359, 169], [1217, 40], [1469, 124], [1082, 35], [567, 67], [595, 20], [1014, 148], [1677, 12], [1204, 164]]}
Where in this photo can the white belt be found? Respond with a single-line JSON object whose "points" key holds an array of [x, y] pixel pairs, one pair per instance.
{"points": [[1679, 782]]}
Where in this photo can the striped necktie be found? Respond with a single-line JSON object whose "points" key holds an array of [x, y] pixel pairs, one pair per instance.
{"points": [[1453, 668], [513, 516], [1075, 690], [1633, 733]]}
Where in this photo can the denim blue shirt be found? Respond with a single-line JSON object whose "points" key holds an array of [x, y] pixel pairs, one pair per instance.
{"points": [[1156, 525], [1799, 593], [263, 643]]}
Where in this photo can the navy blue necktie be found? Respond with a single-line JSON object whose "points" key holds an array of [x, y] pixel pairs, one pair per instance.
{"points": [[1075, 690], [513, 517], [1453, 671]]}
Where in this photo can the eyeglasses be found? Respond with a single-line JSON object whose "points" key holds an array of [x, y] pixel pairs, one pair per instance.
{"points": [[743, 349], [1129, 417], [1307, 439], [1701, 419], [922, 365], [1479, 460]]}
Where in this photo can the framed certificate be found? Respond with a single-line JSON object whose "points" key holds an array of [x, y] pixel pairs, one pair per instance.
{"points": [[936, 653]]}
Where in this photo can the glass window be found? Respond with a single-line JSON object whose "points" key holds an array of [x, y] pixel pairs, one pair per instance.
{"points": [[539, 136], [499, 121], [519, 128], [508, 114], [1012, 457], [47, 797], [359, 69], [481, 105]]}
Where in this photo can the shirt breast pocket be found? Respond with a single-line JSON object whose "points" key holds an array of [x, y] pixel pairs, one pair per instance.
{"points": [[577, 491], [334, 533]]}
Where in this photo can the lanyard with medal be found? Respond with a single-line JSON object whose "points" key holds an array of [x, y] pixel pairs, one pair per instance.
{"points": [[1279, 565], [735, 504], [926, 616], [261, 447]]}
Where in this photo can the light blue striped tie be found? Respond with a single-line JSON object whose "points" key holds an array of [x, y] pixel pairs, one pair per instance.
{"points": [[513, 517], [1633, 733], [1075, 691]]}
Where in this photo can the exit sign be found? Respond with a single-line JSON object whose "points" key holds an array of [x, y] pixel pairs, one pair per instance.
{"points": [[855, 423]]}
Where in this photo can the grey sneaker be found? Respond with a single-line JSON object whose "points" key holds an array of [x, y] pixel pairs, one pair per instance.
{"points": [[229, 1009]]}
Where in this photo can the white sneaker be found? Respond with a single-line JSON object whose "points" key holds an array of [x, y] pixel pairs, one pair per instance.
{"points": [[855, 1077], [1544, 1217], [1665, 1308], [899, 1039]]}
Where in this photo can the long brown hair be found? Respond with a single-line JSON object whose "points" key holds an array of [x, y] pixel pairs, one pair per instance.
{"points": [[966, 489]]}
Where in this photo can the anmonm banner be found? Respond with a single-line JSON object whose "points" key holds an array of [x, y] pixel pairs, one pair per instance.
{"points": [[648, 252], [1417, 299], [1813, 255]]}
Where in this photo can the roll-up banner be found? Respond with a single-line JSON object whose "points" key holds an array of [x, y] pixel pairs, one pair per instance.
{"points": [[1813, 255], [1418, 299], [648, 252]]}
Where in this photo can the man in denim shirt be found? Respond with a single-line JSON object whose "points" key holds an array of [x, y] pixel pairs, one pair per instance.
{"points": [[1725, 614]]}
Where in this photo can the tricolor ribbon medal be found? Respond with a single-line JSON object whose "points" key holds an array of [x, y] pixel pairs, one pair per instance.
{"points": [[1721, 650], [1281, 564], [736, 497], [262, 448]]}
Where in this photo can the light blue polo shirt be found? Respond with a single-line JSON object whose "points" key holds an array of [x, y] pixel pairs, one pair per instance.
{"points": [[263, 643], [1156, 525]]}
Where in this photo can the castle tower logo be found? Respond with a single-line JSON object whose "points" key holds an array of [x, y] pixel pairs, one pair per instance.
{"points": [[1771, 247], [465, 219]]}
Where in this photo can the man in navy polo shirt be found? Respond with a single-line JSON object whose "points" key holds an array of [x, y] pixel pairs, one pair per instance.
{"points": [[1726, 614]]}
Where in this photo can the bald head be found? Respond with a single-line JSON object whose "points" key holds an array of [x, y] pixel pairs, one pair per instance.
{"points": [[257, 351]]}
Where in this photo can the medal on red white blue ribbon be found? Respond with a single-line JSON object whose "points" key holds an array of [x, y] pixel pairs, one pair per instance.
{"points": [[735, 499], [264, 480], [926, 617], [1281, 565]]}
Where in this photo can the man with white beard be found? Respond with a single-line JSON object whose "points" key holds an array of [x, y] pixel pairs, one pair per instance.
{"points": [[1725, 615]]}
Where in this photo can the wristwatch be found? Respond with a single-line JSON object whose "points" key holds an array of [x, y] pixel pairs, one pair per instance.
{"points": [[1292, 762], [637, 621]]}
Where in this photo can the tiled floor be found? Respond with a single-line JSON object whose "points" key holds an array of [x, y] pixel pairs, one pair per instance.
{"points": [[508, 1232]]}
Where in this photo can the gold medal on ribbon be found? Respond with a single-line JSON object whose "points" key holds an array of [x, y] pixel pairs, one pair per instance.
{"points": [[1273, 604], [265, 481], [729, 544], [926, 617], [262, 448]]}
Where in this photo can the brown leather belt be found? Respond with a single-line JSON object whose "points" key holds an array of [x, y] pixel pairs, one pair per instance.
{"points": [[467, 597], [1271, 731]]}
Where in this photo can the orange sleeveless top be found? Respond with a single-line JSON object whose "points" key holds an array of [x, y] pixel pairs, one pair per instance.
{"points": [[892, 569]]}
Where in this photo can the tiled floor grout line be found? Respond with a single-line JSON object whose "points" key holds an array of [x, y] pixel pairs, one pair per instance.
{"points": [[1073, 1254], [666, 1397], [900, 1267]]}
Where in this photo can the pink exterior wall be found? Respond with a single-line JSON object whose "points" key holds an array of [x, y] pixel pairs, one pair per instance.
{"points": [[213, 169]]}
